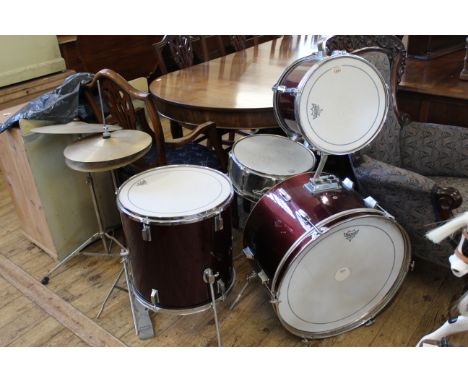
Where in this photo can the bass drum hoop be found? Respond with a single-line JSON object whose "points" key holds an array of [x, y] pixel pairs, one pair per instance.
{"points": [[276, 283], [305, 79], [292, 134], [176, 220]]}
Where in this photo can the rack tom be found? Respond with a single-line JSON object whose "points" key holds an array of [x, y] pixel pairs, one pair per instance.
{"points": [[337, 103], [177, 222]]}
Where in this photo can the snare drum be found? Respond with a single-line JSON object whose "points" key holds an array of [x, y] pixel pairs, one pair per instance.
{"points": [[338, 104], [329, 262], [258, 162], [177, 222]]}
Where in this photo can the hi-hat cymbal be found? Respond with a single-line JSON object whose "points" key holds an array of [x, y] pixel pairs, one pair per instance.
{"points": [[74, 127], [96, 153]]}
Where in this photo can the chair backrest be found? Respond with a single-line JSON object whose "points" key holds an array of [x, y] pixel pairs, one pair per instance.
{"points": [[180, 50], [240, 42], [119, 96], [387, 54]]}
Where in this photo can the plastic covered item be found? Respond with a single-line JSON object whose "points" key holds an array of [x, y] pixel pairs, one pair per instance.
{"points": [[61, 105]]}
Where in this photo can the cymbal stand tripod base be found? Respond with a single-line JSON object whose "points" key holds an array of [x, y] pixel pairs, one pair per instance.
{"points": [[101, 234]]}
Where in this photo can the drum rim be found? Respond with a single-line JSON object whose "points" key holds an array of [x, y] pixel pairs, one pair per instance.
{"points": [[372, 312], [264, 174], [292, 134], [305, 79], [176, 220]]}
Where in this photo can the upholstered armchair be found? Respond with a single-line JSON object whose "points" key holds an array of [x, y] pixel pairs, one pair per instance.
{"points": [[417, 171]]}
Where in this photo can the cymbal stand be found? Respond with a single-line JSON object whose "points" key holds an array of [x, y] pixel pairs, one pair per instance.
{"points": [[101, 234]]}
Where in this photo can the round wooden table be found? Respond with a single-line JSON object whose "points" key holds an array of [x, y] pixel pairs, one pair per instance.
{"points": [[234, 91]]}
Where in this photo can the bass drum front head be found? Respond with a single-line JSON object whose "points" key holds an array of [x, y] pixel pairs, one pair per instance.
{"points": [[342, 105], [343, 278]]}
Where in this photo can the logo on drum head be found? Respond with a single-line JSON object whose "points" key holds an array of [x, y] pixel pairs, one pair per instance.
{"points": [[141, 182], [350, 235], [315, 110]]}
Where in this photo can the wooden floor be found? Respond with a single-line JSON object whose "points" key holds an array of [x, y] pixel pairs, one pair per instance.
{"points": [[63, 313]]}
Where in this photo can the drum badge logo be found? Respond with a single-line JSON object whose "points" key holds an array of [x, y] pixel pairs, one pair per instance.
{"points": [[315, 110], [351, 234]]}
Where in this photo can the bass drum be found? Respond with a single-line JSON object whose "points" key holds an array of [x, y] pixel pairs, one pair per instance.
{"points": [[177, 222], [338, 104], [330, 263]]}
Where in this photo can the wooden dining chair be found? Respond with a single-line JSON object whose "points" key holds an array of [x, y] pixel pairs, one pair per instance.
{"points": [[118, 95], [175, 53]]}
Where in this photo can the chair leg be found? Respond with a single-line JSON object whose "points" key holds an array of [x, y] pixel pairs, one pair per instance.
{"points": [[176, 129]]}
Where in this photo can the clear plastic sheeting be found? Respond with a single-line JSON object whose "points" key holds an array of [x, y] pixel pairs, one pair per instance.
{"points": [[61, 105]]}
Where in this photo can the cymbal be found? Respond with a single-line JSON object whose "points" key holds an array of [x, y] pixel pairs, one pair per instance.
{"points": [[74, 127], [96, 153]]}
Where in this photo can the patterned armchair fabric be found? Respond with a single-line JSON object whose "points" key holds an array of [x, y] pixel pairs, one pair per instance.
{"points": [[404, 166]]}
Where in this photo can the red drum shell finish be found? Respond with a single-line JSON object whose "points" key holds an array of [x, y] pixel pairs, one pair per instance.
{"points": [[285, 102], [174, 260], [274, 225]]}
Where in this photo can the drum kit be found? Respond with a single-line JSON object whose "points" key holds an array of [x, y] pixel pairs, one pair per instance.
{"points": [[329, 259]]}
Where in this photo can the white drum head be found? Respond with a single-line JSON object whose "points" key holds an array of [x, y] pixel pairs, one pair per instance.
{"points": [[273, 155], [342, 105], [172, 192], [344, 277]]}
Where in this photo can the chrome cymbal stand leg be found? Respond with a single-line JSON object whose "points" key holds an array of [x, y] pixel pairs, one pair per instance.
{"points": [[110, 292], [90, 183], [91, 239], [114, 181], [249, 277], [209, 277]]}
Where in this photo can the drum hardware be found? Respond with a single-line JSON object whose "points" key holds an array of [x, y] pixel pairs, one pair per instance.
{"points": [[306, 219], [286, 197], [218, 223], [248, 253], [252, 275], [146, 232], [370, 202], [284, 89], [322, 184], [348, 184], [154, 297], [209, 277], [259, 193], [221, 288], [106, 133], [370, 322]]}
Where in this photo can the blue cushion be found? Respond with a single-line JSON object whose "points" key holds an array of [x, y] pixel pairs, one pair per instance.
{"points": [[192, 153]]}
